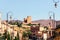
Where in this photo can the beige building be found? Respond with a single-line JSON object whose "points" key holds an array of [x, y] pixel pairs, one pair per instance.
{"points": [[27, 20], [47, 23]]}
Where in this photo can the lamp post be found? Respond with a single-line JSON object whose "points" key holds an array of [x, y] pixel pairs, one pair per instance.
{"points": [[52, 18], [7, 22], [55, 3], [8, 16], [52, 23]]}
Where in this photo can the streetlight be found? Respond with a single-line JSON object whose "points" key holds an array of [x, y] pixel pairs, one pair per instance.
{"points": [[52, 16], [55, 3], [52, 22], [7, 21], [8, 15]]}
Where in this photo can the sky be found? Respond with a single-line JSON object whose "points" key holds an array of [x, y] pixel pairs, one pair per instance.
{"points": [[37, 9]]}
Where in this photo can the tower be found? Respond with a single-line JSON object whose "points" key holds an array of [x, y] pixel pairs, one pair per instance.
{"points": [[28, 19]]}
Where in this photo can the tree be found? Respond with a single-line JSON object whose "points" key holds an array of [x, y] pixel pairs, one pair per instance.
{"points": [[5, 35], [16, 38], [29, 32], [29, 24], [46, 27], [24, 34], [19, 24], [8, 37], [58, 26], [16, 23]]}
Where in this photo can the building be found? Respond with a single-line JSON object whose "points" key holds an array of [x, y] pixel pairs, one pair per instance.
{"points": [[51, 23], [27, 20]]}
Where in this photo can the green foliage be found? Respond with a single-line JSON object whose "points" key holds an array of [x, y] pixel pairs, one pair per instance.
{"points": [[29, 24], [8, 37], [24, 34], [16, 23], [46, 27], [33, 24], [55, 33], [19, 25], [58, 26], [16, 38], [5, 35], [0, 34], [29, 32]]}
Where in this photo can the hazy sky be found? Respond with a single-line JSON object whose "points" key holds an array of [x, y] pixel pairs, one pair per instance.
{"points": [[38, 9]]}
